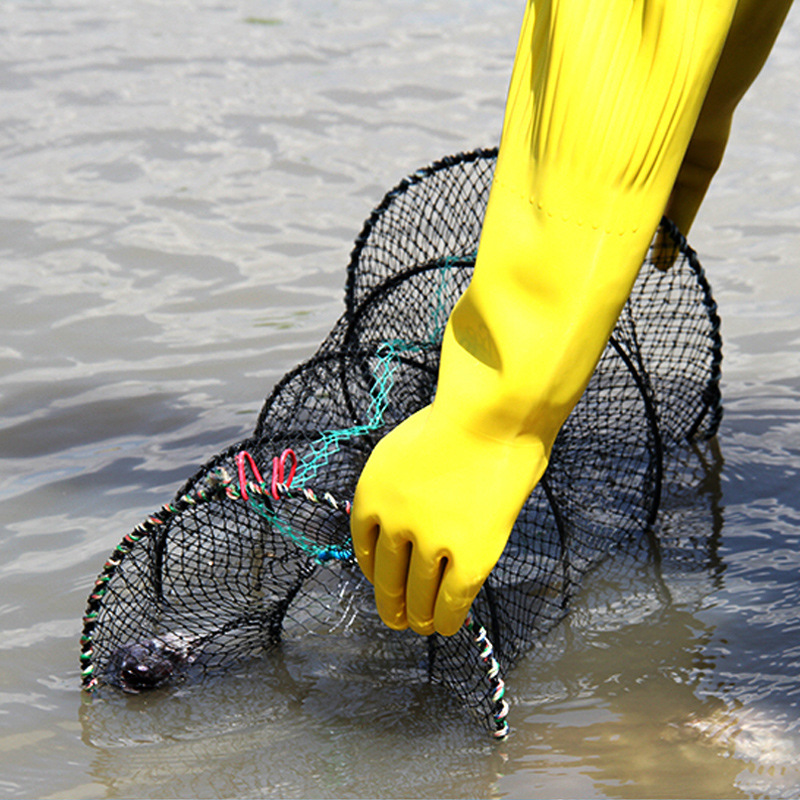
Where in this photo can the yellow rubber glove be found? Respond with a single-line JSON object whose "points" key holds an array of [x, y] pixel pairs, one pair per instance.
{"points": [[603, 101]]}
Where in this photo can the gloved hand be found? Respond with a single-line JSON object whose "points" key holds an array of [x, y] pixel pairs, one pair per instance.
{"points": [[432, 475], [603, 101]]}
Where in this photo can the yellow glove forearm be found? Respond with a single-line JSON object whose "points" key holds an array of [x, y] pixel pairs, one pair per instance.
{"points": [[603, 101]]}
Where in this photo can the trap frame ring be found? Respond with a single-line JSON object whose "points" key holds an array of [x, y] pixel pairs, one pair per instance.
{"points": [[220, 484]]}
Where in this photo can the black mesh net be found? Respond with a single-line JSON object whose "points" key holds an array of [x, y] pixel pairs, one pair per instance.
{"points": [[236, 565]]}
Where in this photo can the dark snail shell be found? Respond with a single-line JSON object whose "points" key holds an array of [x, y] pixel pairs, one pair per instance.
{"points": [[140, 666]]}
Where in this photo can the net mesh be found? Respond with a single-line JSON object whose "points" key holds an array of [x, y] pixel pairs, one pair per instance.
{"points": [[236, 565]]}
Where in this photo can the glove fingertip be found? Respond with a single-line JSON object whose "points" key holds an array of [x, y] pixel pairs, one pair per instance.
{"points": [[392, 613], [364, 533]]}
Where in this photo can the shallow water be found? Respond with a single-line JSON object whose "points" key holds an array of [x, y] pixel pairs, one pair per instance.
{"points": [[182, 185]]}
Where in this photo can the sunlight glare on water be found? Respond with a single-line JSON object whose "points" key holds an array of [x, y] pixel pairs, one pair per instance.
{"points": [[183, 182]]}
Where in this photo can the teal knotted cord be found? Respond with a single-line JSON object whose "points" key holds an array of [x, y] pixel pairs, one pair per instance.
{"points": [[383, 380], [383, 374]]}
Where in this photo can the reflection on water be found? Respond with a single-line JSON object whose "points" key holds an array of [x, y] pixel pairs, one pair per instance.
{"points": [[182, 184], [277, 736]]}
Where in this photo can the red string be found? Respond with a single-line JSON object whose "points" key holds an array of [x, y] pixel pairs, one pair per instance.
{"points": [[243, 458], [278, 467]]}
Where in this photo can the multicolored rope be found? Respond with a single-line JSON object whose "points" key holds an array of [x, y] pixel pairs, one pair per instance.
{"points": [[480, 637]]}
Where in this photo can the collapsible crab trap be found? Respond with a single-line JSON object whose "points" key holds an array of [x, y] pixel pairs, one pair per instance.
{"points": [[255, 549]]}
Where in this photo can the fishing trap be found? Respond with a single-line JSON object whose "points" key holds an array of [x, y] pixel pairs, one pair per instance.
{"points": [[254, 550]]}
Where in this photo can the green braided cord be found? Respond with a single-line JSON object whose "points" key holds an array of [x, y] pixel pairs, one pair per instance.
{"points": [[383, 377], [322, 553], [220, 483], [439, 314], [328, 441]]}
